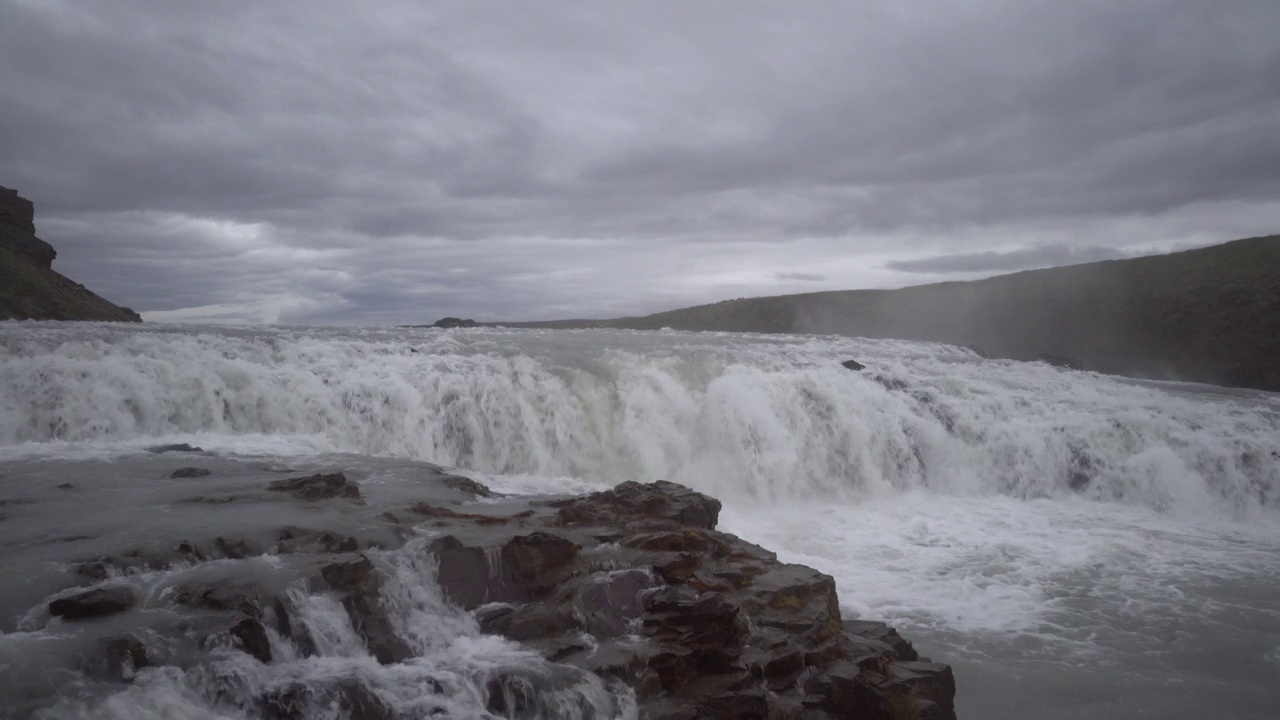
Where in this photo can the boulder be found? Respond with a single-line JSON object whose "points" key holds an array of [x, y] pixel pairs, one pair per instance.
{"points": [[319, 487], [189, 472], [852, 365], [98, 602]]}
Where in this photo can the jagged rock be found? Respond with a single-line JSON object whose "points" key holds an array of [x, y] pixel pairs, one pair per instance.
{"points": [[122, 658], [189, 472], [251, 636], [243, 598], [355, 576], [630, 501], [852, 365], [297, 540], [319, 487], [699, 623], [98, 602], [233, 548], [467, 485]]}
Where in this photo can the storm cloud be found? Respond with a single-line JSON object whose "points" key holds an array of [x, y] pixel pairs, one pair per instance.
{"points": [[327, 163]]}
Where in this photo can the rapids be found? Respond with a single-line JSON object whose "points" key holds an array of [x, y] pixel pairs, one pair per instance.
{"points": [[1076, 545]]}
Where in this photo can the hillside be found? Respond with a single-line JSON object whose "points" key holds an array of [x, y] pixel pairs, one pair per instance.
{"points": [[1209, 315], [29, 287]]}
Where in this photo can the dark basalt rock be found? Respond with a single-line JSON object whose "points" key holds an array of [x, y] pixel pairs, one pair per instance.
{"points": [[630, 501], [467, 485], [355, 576], [122, 658], [189, 472], [98, 602], [852, 365], [251, 636], [319, 487], [699, 623]]}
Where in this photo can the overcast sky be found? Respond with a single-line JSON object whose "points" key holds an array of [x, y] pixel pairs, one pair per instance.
{"points": [[334, 162]]}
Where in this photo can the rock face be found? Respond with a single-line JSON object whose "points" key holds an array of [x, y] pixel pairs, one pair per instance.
{"points": [[699, 623], [29, 288]]}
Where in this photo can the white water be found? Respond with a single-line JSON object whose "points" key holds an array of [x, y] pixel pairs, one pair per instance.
{"points": [[1114, 541]]}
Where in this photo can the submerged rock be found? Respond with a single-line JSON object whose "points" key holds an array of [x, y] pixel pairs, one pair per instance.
{"points": [[319, 487], [175, 447], [852, 365], [189, 472]]}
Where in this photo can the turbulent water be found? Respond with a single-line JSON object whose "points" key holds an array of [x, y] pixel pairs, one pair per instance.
{"points": [[1075, 545]]}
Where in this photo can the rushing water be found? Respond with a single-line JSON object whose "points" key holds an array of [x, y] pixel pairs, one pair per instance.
{"points": [[1076, 545]]}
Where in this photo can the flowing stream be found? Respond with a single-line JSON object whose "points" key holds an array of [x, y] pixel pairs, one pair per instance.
{"points": [[1075, 545]]}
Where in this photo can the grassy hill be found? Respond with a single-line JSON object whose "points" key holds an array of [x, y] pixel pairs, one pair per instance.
{"points": [[1210, 315]]}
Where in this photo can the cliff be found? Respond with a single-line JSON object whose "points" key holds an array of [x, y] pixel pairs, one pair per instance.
{"points": [[29, 287], [1207, 315]]}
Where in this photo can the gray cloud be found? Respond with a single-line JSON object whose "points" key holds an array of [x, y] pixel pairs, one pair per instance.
{"points": [[318, 162]]}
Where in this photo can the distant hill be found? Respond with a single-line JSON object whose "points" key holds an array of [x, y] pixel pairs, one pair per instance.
{"points": [[1209, 315], [29, 287]]}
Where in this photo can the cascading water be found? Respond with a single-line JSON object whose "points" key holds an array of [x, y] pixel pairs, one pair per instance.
{"points": [[1096, 531]]}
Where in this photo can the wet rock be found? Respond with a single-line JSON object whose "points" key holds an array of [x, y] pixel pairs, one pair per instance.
{"points": [[356, 577], [175, 447], [251, 636], [98, 602], [889, 383], [319, 487], [443, 512], [122, 658], [233, 548], [189, 472], [852, 365], [305, 540], [635, 584], [467, 485], [239, 597], [66, 486], [632, 501]]}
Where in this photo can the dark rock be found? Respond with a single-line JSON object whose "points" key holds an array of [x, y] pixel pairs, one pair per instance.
{"points": [[66, 486], [175, 447], [443, 512], [853, 365], [632, 501], [902, 648], [98, 602], [189, 472], [123, 657], [232, 548], [890, 383], [453, 322], [298, 540], [243, 598], [319, 487], [525, 567], [251, 636], [467, 485], [355, 576], [18, 212]]}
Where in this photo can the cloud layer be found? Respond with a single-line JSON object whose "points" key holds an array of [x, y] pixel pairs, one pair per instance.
{"points": [[319, 162]]}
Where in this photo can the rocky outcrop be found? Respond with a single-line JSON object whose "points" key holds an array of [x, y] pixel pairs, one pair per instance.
{"points": [[29, 287], [633, 585]]}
